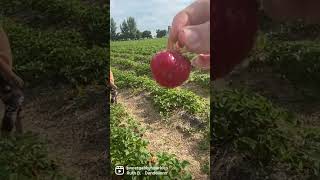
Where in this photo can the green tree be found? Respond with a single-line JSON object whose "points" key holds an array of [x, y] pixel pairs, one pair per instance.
{"points": [[124, 30], [132, 28], [146, 34], [138, 35], [161, 33], [113, 29], [129, 29]]}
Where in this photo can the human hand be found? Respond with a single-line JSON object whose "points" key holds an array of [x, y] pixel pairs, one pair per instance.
{"points": [[191, 29]]}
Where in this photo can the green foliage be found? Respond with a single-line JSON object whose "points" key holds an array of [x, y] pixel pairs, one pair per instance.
{"points": [[296, 30], [200, 79], [161, 33], [265, 134], [246, 118], [138, 34], [92, 21], [52, 41], [136, 56], [26, 157], [176, 167], [206, 168], [128, 29], [60, 56], [288, 30], [268, 137], [146, 34], [167, 100], [139, 68], [129, 149], [113, 29], [297, 61], [130, 64]]}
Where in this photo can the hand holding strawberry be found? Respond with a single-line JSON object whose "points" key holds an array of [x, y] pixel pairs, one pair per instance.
{"points": [[191, 29], [170, 69]]}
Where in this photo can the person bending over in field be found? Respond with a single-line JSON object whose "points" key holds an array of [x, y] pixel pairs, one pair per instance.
{"points": [[114, 88], [191, 26], [10, 88]]}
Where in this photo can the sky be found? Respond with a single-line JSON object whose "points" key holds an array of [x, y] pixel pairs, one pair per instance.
{"points": [[149, 14]]}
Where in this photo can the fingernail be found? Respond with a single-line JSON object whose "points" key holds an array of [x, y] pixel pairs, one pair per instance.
{"points": [[192, 39]]}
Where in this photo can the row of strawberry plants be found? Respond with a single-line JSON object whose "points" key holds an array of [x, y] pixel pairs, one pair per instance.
{"points": [[128, 148], [296, 61], [145, 49], [263, 133], [26, 157], [126, 64], [141, 52], [28, 37], [167, 100], [92, 21], [133, 56], [141, 68], [295, 30], [136, 56], [141, 63], [200, 79], [60, 56]]}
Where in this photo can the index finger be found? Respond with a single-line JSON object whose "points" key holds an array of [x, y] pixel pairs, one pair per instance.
{"points": [[196, 13]]}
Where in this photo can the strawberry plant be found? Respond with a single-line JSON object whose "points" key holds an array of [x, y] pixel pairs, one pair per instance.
{"points": [[26, 157], [92, 21], [252, 137], [129, 149], [296, 61], [59, 56], [130, 64], [124, 57], [167, 100], [262, 132], [200, 79]]}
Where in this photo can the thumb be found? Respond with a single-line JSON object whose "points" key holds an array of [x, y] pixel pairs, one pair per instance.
{"points": [[196, 38], [202, 61]]}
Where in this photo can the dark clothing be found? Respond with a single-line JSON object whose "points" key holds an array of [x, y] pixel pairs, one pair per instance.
{"points": [[235, 27], [12, 98]]}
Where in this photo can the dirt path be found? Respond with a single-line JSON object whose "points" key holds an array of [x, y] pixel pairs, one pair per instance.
{"points": [[74, 126], [164, 137]]}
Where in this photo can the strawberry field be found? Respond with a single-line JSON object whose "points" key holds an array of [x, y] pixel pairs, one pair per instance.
{"points": [[182, 112], [60, 50], [266, 118], [265, 121]]}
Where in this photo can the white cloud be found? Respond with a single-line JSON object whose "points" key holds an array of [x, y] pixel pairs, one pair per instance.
{"points": [[149, 14]]}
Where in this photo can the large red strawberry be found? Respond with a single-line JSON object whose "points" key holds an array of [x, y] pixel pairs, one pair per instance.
{"points": [[235, 23], [170, 69]]}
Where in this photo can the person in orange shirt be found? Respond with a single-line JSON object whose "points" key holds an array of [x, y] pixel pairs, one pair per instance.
{"points": [[114, 92], [10, 88]]}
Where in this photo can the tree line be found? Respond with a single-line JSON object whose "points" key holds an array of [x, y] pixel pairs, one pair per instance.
{"points": [[129, 31]]}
